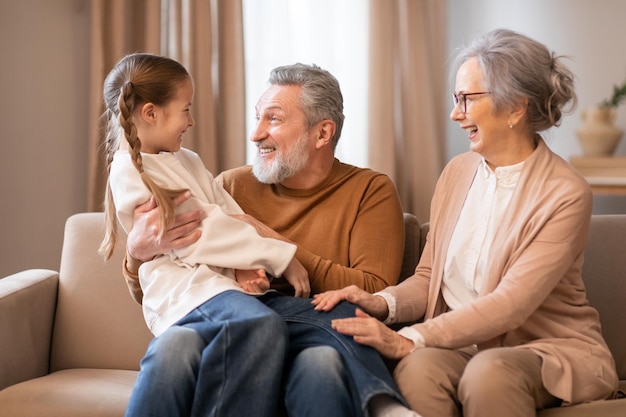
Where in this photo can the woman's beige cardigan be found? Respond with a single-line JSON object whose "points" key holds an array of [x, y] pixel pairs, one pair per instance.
{"points": [[534, 296]]}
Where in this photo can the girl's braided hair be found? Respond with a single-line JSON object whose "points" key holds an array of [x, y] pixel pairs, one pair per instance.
{"points": [[135, 80]]}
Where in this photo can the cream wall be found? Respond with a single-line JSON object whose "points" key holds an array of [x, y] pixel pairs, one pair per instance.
{"points": [[43, 85], [43, 80]]}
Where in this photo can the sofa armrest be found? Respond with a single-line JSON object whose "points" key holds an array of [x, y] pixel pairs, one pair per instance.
{"points": [[27, 306]]}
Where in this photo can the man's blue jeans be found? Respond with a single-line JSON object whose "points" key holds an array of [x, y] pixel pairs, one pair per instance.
{"points": [[327, 373], [225, 358]]}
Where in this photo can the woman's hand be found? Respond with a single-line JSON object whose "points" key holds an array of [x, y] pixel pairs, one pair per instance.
{"points": [[369, 331], [372, 304], [143, 241]]}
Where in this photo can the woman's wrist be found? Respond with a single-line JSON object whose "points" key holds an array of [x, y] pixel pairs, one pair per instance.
{"points": [[413, 335], [386, 307]]}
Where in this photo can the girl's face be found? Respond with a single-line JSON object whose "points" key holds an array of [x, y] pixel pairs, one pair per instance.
{"points": [[172, 121]]}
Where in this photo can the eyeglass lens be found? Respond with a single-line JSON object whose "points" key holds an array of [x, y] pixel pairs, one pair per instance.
{"points": [[459, 99]]}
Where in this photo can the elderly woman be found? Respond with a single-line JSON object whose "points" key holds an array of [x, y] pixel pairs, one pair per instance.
{"points": [[506, 328]]}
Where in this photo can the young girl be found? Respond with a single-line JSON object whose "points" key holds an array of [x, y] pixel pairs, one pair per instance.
{"points": [[148, 100], [191, 291]]}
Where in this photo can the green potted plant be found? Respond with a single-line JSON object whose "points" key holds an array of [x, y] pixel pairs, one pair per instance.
{"points": [[619, 94], [598, 135]]}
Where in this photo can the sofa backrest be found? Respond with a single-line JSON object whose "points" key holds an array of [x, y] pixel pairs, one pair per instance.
{"points": [[412, 247], [97, 323], [604, 273]]}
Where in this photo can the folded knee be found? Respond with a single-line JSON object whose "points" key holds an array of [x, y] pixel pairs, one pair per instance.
{"points": [[178, 349], [324, 362]]}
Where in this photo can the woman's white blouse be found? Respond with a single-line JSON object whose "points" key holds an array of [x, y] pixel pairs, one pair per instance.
{"points": [[467, 260]]}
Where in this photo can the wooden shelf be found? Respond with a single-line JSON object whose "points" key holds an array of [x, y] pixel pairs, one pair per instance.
{"points": [[605, 175]]}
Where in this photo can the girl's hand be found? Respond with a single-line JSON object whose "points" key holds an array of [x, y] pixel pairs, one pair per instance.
{"points": [[253, 281], [369, 331], [372, 304]]}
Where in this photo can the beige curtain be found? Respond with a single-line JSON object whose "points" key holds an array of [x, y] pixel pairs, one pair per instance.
{"points": [[204, 35], [207, 37], [406, 104]]}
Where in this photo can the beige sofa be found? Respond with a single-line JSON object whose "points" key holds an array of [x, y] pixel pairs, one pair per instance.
{"points": [[71, 342]]}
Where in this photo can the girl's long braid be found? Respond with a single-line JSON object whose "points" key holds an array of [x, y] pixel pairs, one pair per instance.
{"points": [[111, 143], [163, 196]]}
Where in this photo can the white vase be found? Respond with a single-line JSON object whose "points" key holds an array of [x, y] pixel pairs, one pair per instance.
{"points": [[598, 135]]}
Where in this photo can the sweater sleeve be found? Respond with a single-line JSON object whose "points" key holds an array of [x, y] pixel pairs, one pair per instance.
{"points": [[130, 268], [412, 295], [376, 245], [230, 243]]}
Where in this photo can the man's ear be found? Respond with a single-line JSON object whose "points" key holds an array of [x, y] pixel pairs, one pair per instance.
{"points": [[148, 113], [325, 133]]}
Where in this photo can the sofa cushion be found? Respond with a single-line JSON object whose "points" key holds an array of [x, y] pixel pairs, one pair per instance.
{"points": [[608, 408], [70, 393], [27, 304], [604, 275], [97, 323]]}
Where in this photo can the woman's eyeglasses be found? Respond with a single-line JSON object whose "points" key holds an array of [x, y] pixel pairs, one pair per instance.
{"points": [[460, 99]]}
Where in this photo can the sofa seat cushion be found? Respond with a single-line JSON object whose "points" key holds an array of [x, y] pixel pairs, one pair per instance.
{"points": [[607, 408], [70, 393]]}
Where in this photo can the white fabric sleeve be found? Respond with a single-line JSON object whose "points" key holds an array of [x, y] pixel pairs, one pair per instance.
{"points": [[412, 334], [391, 306]]}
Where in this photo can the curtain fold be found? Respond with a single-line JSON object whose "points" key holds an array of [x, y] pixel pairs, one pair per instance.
{"points": [[118, 27], [207, 38], [407, 74], [406, 89]]}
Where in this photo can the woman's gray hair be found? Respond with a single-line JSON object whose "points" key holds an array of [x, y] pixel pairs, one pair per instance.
{"points": [[321, 96], [516, 67]]}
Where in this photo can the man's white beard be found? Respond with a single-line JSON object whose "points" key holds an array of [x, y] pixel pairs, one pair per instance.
{"points": [[283, 165]]}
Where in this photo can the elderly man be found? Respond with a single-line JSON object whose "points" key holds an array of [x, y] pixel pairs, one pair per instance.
{"points": [[346, 222]]}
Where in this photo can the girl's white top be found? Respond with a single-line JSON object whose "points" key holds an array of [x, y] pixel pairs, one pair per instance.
{"points": [[175, 283]]}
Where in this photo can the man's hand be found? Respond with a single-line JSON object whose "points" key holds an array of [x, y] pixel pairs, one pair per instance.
{"points": [[298, 277], [372, 304], [143, 241]]}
